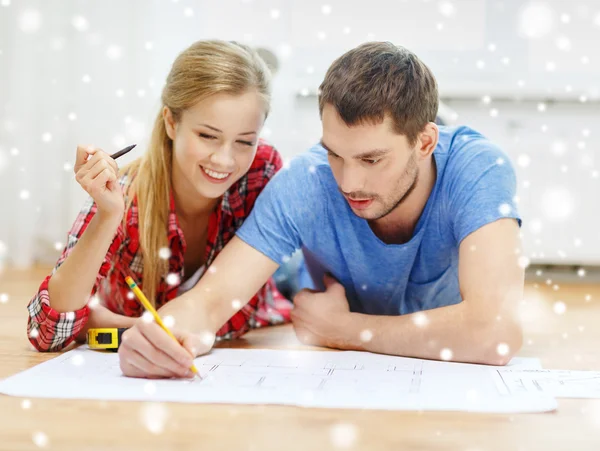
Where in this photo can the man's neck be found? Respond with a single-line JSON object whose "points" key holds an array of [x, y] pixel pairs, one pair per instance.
{"points": [[398, 226]]}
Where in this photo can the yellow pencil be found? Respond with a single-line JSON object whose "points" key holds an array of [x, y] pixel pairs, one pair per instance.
{"points": [[144, 301]]}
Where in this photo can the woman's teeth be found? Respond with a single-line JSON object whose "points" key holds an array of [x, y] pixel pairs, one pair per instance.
{"points": [[214, 174]]}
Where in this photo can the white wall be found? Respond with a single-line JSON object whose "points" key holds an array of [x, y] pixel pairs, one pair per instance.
{"points": [[475, 47]]}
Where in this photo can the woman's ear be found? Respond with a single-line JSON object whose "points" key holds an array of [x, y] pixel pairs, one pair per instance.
{"points": [[169, 123]]}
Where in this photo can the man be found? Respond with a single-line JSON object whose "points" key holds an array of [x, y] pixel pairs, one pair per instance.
{"points": [[409, 230]]}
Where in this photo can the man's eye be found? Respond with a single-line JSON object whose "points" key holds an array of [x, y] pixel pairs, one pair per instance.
{"points": [[371, 161]]}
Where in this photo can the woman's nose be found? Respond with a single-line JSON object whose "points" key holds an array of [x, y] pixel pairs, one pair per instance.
{"points": [[223, 157]]}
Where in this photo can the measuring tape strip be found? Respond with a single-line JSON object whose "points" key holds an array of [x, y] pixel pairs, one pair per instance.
{"points": [[108, 338]]}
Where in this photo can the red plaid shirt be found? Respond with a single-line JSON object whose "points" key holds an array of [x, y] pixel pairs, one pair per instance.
{"points": [[50, 330]]}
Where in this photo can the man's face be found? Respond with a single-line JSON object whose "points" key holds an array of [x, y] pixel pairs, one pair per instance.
{"points": [[374, 167]]}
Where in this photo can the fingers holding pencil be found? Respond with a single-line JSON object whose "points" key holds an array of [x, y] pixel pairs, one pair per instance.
{"points": [[150, 349], [146, 350]]}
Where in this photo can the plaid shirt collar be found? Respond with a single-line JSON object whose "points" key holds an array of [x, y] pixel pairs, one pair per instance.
{"points": [[230, 205], [232, 202]]}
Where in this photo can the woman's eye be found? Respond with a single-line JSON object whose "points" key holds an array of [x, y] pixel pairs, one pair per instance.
{"points": [[205, 136], [246, 143]]}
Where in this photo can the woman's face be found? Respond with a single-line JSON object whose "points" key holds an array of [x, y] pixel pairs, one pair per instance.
{"points": [[215, 141]]}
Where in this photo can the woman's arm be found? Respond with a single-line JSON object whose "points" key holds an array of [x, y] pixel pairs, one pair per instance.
{"points": [[59, 310]]}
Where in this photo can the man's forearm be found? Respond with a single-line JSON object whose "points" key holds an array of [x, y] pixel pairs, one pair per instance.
{"points": [[193, 313], [229, 283], [448, 333]]}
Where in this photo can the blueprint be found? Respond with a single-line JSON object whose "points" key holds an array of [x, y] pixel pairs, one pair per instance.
{"points": [[346, 379], [557, 383]]}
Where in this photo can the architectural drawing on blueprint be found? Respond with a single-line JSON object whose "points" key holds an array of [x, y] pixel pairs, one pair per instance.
{"points": [[346, 379], [559, 383], [315, 372]]}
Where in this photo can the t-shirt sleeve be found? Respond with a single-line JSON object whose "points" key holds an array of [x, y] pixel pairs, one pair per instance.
{"points": [[482, 188], [284, 211]]}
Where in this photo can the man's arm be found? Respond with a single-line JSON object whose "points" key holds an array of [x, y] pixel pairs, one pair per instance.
{"points": [[237, 273], [484, 328], [269, 234]]}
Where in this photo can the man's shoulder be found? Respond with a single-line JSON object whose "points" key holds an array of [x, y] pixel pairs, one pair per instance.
{"points": [[301, 186], [309, 167], [478, 181], [468, 151], [306, 164], [288, 208], [463, 141], [313, 159]]}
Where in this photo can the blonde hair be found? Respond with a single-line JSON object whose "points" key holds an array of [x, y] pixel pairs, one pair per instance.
{"points": [[202, 70]]}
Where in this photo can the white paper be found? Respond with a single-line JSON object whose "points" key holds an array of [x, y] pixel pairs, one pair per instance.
{"points": [[557, 383], [524, 362], [304, 378]]}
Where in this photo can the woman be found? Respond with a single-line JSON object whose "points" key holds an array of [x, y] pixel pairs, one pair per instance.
{"points": [[165, 217]]}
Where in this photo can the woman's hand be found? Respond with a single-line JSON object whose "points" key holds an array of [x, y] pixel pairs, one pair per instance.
{"points": [[98, 176], [146, 350]]}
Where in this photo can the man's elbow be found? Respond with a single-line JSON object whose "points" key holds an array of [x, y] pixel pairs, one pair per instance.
{"points": [[501, 345]]}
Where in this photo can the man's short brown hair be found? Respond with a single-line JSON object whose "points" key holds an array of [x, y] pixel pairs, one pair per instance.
{"points": [[379, 78]]}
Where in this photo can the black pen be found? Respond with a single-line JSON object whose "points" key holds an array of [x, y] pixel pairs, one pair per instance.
{"points": [[122, 152]]}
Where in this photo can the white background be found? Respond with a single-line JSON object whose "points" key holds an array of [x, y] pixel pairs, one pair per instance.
{"points": [[90, 72]]}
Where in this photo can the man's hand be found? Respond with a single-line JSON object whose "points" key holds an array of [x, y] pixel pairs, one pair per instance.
{"points": [[319, 318], [100, 316]]}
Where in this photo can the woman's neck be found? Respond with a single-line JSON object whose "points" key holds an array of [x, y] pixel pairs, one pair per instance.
{"points": [[189, 205]]}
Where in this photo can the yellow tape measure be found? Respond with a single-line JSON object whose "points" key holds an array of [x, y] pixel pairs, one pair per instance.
{"points": [[108, 338]]}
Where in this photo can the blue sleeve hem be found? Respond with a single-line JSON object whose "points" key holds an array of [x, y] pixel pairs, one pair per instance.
{"points": [[485, 220], [248, 240]]}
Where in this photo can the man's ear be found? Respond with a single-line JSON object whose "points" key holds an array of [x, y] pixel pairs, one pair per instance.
{"points": [[428, 140], [169, 122]]}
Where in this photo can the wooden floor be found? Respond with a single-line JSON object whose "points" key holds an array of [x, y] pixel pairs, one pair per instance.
{"points": [[570, 340]]}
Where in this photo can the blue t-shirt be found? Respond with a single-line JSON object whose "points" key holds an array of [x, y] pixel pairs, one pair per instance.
{"points": [[301, 207]]}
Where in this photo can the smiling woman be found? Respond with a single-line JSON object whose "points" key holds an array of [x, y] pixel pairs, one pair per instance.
{"points": [[228, 127], [165, 217]]}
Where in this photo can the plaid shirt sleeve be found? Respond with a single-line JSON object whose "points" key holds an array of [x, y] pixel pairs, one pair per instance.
{"points": [[48, 329]]}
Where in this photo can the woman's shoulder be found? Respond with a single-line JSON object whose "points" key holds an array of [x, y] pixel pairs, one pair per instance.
{"points": [[267, 160]]}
